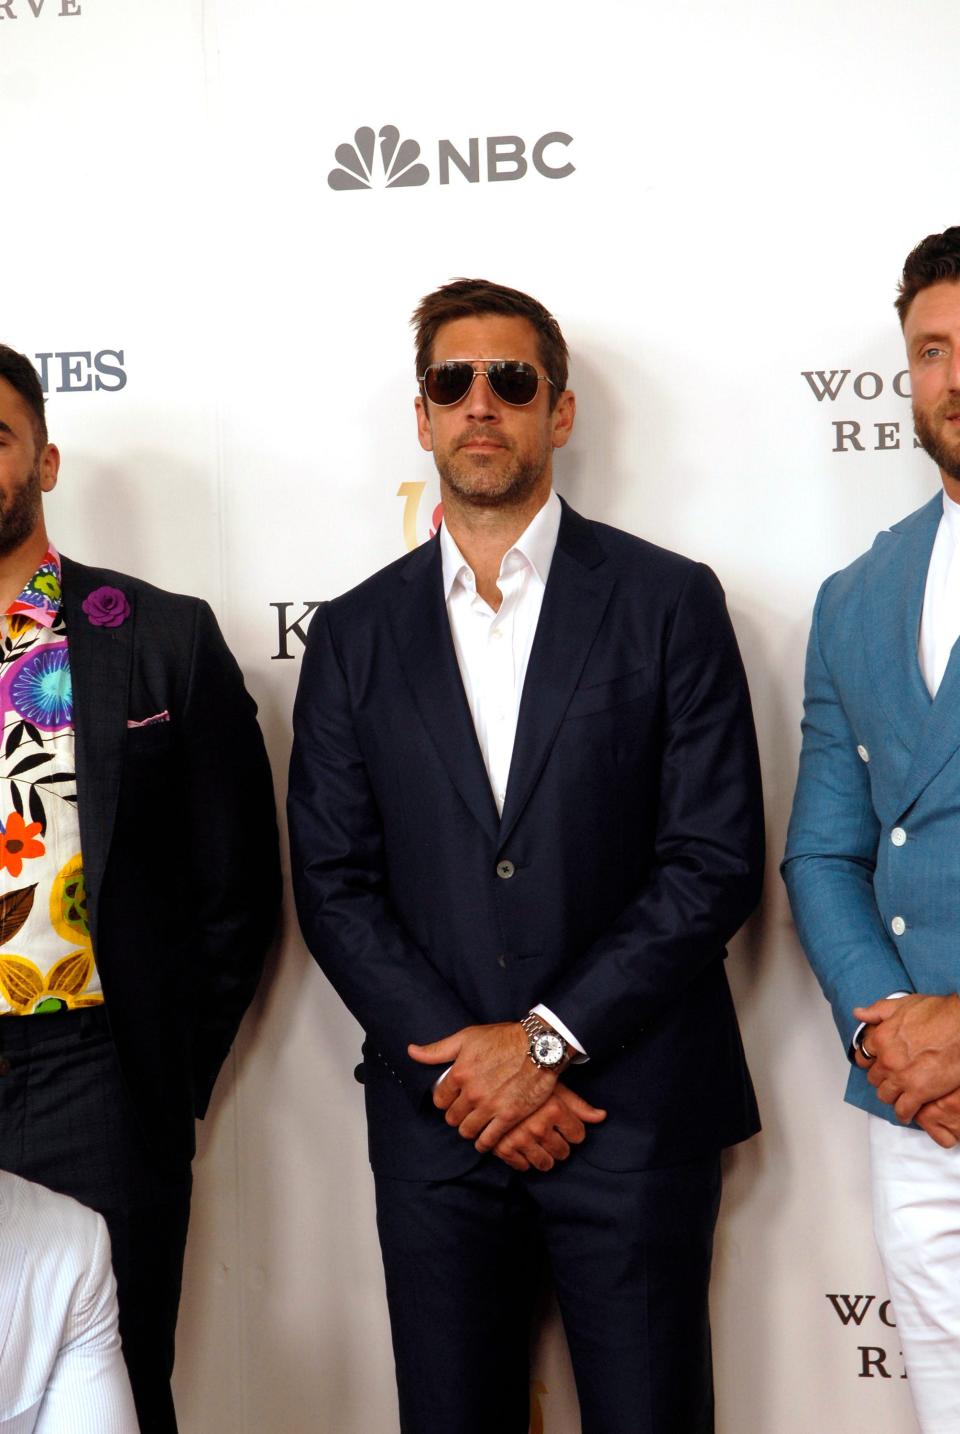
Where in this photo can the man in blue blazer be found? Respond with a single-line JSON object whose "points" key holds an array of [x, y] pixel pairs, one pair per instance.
{"points": [[873, 854], [525, 817], [139, 881]]}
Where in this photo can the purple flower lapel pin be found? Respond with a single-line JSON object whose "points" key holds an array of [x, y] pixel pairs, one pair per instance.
{"points": [[106, 607]]}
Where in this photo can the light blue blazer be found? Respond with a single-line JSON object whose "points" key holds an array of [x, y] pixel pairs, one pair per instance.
{"points": [[873, 852]]}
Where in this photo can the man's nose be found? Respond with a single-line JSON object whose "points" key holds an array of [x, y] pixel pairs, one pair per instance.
{"points": [[953, 370], [481, 400]]}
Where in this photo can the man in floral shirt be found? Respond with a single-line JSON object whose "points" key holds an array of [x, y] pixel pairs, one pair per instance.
{"points": [[127, 954]]}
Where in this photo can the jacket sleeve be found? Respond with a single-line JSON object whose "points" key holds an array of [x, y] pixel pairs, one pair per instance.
{"points": [[236, 875], [831, 854], [339, 876], [707, 869]]}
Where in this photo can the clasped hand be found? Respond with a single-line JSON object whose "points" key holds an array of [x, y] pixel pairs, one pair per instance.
{"points": [[914, 1042], [495, 1096]]}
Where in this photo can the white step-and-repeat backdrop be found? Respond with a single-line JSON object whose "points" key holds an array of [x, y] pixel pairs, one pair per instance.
{"points": [[218, 216]]}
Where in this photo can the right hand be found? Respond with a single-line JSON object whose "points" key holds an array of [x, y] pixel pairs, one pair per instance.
{"points": [[545, 1136], [916, 1041]]}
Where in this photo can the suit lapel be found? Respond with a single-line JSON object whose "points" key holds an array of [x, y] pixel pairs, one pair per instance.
{"points": [[940, 735], [576, 597], [895, 585], [429, 660], [100, 662]]}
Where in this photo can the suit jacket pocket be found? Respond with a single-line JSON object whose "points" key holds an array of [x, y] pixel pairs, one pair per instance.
{"points": [[156, 739], [599, 696]]}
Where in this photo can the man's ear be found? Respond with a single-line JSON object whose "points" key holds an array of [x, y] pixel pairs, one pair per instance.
{"points": [[424, 431], [49, 467], [562, 418]]}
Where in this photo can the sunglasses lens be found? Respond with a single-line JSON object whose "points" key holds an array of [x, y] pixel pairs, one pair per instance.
{"points": [[446, 383], [515, 383]]}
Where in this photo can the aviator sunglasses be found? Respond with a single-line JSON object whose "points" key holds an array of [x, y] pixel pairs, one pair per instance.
{"points": [[512, 381]]}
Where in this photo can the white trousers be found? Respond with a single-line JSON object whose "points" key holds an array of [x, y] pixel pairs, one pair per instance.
{"points": [[916, 1217]]}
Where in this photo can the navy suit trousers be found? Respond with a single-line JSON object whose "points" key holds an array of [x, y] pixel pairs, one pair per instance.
{"points": [[467, 1262]]}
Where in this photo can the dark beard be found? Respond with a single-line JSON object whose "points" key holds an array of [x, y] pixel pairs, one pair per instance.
{"points": [[948, 460], [20, 513]]}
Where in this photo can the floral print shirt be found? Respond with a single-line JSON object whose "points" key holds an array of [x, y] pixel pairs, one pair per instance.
{"points": [[46, 958]]}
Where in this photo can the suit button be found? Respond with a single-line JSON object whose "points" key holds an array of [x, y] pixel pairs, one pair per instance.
{"points": [[4, 1065], [505, 869], [502, 961], [863, 753], [898, 926], [898, 836]]}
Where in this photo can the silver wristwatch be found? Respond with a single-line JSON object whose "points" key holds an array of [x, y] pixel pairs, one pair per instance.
{"points": [[547, 1049]]}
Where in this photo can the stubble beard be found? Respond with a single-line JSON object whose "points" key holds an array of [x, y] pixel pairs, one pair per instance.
{"points": [[946, 458], [483, 480], [20, 512]]}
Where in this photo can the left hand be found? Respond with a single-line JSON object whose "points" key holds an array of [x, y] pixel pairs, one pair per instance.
{"points": [[492, 1084], [916, 1042]]}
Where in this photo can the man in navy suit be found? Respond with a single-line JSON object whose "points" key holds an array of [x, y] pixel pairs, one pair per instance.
{"points": [[873, 854], [526, 818], [139, 880]]}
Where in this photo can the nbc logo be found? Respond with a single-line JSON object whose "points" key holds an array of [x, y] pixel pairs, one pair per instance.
{"points": [[398, 166], [356, 161]]}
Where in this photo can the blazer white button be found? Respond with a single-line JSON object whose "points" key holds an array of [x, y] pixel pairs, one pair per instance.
{"points": [[898, 926], [898, 836], [505, 869], [862, 752]]}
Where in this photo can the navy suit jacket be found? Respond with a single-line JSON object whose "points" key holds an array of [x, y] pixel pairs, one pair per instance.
{"points": [[179, 842], [632, 828]]}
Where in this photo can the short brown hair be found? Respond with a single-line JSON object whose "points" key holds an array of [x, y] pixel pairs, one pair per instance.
{"points": [[934, 259], [462, 298], [23, 378]]}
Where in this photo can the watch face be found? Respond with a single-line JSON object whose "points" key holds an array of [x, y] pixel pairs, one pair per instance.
{"points": [[548, 1049]]}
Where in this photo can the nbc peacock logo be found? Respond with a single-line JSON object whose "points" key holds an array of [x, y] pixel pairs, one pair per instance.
{"points": [[399, 166]]}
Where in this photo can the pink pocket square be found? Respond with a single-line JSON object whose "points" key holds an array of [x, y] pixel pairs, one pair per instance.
{"points": [[163, 716]]}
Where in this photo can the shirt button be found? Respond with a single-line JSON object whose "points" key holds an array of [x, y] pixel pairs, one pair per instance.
{"points": [[497, 632], [898, 926], [863, 753], [898, 836], [505, 869]]}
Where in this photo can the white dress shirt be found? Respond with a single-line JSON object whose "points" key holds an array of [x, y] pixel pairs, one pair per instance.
{"points": [[493, 648]]}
